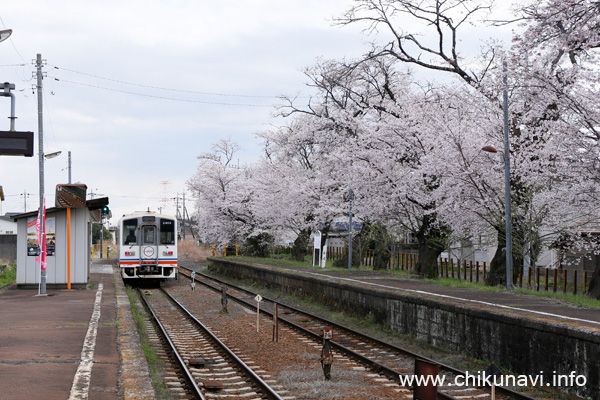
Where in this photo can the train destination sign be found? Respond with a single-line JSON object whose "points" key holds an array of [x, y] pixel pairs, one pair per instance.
{"points": [[14, 143]]}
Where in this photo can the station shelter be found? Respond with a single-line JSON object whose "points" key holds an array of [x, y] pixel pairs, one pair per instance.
{"points": [[81, 220]]}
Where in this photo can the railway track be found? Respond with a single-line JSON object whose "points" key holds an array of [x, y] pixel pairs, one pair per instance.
{"points": [[385, 358], [206, 368]]}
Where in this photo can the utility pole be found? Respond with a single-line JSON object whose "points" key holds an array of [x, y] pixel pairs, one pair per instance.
{"points": [[25, 196], [69, 166], [177, 214], [39, 64], [186, 215], [183, 219]]}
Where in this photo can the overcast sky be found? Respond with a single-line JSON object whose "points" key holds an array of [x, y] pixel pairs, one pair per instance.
{"points": [[224, 61]]}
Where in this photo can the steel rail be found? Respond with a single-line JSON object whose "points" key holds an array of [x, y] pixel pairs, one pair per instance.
{"points": [[384, 369], [257, 380], [195, 388]]}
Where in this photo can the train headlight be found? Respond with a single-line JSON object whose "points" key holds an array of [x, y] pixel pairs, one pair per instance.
{"points": [[167, 253], [130, 253]]}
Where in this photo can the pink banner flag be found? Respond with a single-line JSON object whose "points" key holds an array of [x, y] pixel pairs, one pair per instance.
{"points": [[41, 233]]}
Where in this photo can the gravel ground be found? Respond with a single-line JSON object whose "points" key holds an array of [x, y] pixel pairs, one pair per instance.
{"points": [[293, 362]]}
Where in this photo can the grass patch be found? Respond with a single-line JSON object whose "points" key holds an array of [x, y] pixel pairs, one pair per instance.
{"points": [[9, 275], [450, 282], [155, 364], [574, 299]]}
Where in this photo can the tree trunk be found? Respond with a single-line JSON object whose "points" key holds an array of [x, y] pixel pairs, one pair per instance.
{"points": [[431, 241], [300, 249], [497, 274], [593, 290]]}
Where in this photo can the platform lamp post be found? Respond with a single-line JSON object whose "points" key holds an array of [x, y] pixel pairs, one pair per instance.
{"points": [[39, 64], [506, 153]]}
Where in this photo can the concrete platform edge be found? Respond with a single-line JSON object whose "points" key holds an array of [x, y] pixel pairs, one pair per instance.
{"points": [[135, 378]]}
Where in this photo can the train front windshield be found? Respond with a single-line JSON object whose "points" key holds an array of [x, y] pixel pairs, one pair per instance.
{"points": [[167, 231], [166, 228]]}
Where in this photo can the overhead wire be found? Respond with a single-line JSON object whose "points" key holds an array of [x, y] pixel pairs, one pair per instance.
{"points": [[160, 97], [166, 88]]}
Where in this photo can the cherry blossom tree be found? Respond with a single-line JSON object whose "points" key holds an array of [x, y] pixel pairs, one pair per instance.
{"points": [[295, 191], [563, 31], [561, 40], [224, 199]]}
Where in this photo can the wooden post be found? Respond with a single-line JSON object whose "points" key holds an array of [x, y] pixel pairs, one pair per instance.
{"points": [[484, 266], [257, 316], [471, 271], [574, 281], [276, 324], [537, 279], [452, 267], [224, 250], [564, 281], [555, 279], [546, 277], [477, 271], [584, 281]]}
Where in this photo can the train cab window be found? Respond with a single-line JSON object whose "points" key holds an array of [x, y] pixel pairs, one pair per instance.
{"points": [[167, 231], [149, 234], [130, 231]]}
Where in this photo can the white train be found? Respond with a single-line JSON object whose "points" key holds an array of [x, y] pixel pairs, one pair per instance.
{"points": [[148, 246]]}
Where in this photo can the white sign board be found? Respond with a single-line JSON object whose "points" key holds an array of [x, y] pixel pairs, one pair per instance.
{"points": [[317, 249]]}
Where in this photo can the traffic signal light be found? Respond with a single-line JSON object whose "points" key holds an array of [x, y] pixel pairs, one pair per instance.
{"points": [[105, 210]]}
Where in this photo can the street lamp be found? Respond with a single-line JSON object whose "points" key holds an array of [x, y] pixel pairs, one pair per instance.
{"points": [[5, 34], [52, 155], [507, 207]]}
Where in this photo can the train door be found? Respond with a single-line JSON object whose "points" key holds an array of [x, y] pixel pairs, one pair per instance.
{"points": [[149, 248]]}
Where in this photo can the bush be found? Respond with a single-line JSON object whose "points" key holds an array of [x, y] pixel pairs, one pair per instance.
{"points": [[8, 274]]}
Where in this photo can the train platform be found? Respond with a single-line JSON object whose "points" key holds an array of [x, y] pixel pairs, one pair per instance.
{"points": [[546, 309], [72, 344]]}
